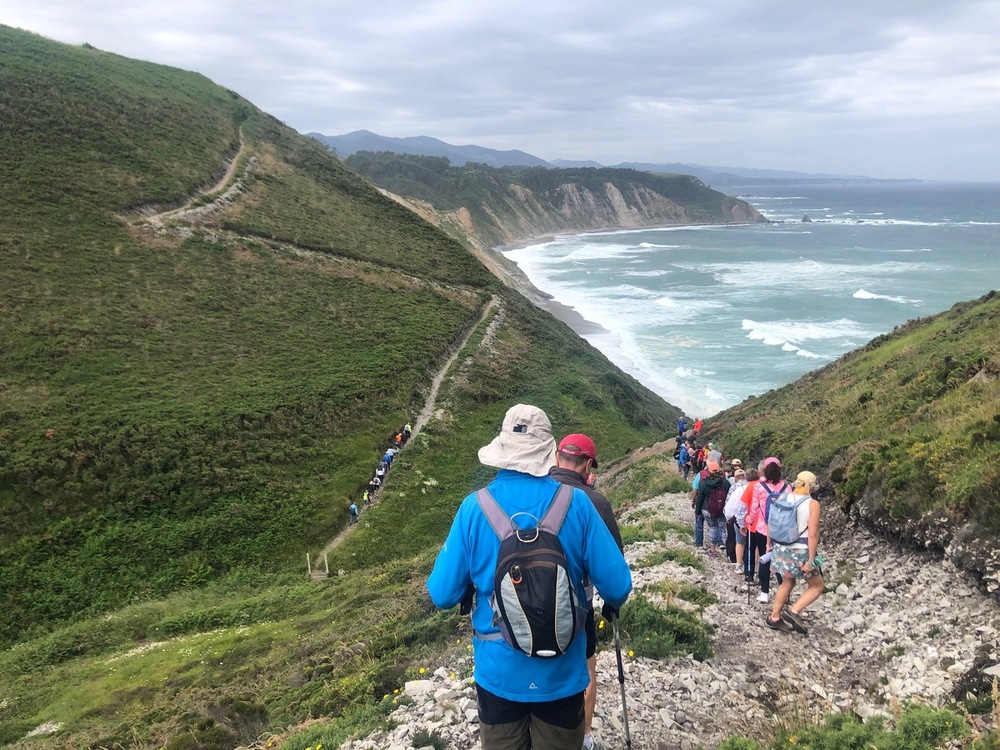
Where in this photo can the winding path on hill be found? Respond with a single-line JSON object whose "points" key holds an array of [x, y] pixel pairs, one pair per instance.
{"points": [[223, 183], [430, 403]]}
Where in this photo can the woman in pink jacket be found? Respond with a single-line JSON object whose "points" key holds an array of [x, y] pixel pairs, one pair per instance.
{"points": [[770, 483]]}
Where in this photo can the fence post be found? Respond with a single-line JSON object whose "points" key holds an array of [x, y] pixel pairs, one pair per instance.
{"points": [[326, 564], [309, 567]]}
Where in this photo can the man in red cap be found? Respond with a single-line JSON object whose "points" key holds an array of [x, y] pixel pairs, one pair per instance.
{"points": [[575, 457]]}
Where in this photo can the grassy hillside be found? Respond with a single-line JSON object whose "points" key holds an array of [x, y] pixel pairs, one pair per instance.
{"points": [[906, 431], [186, 403], [512, 203]]}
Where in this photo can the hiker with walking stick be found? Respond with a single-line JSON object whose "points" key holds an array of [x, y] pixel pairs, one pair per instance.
{"points": [[530, 658], [575, 458]]}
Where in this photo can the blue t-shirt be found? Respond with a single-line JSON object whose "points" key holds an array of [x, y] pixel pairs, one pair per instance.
{"points": [[469, 555]]}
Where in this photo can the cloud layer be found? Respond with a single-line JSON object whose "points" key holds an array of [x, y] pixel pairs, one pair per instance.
{"points": [[898, 88]]}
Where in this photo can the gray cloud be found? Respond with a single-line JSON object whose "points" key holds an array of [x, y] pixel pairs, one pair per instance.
{"points": [[898, 88]]}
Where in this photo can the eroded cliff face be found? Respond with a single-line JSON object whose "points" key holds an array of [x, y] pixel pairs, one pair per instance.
{"points": [[523, 215]]}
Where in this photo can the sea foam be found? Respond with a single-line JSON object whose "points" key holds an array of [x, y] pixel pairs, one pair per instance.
{"points": [[864, 294]]}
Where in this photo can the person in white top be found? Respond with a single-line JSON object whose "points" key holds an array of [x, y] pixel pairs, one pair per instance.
{"points": [[797, 562], [734, 543]]}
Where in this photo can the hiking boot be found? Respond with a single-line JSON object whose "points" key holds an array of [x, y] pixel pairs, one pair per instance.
{"points": [[779, 625], [794, 620], [762, 597]]}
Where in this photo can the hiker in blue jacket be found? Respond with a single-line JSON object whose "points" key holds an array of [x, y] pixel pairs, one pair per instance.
{"points": [[526, 701]]}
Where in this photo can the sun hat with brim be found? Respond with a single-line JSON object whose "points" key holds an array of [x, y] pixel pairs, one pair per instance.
{"points": [[525, 443], [736, 462], [578, 444], [739, 473], [771, 460]]}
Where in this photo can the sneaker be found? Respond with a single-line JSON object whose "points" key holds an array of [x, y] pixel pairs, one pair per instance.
{"points": [[762, 597]]}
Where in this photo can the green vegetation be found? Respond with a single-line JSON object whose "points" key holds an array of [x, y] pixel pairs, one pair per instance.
{"points": [[647, 478], [683, 557], [697, 595], [185, 409], [540, 195], [651, 530], [909, 424], [659, 632], [917, 728]]}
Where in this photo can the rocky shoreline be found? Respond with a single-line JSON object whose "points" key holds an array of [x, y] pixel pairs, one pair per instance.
{"points": [[895, 625]]}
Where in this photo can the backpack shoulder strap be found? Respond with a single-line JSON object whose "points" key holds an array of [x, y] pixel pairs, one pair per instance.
{"points": [[553, 519], [498, 519]]}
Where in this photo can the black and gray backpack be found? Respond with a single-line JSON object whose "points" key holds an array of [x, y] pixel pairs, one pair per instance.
{"points": [[534, 602]]}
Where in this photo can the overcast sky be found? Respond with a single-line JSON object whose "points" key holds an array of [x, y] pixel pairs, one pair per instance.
{"points": [[887, 88]]}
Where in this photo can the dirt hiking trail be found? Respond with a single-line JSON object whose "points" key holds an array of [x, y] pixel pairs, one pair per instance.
{"points": [[430, 404]]}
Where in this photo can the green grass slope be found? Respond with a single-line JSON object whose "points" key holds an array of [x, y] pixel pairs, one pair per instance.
{"points": [[185, 406], [905, 431]]}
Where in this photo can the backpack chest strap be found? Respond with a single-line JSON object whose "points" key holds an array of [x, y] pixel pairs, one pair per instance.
{"points": [[501, 524]]}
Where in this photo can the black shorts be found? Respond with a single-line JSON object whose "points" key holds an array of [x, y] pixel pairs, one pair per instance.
{"points": [[564, 713], [591, 627]]}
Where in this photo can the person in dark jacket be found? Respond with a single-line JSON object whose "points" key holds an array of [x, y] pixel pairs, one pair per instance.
{"points": [[525, 701], [712, 478], [575, 457]]}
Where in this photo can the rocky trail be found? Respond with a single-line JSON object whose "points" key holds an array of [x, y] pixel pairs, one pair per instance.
{"points": [[894, 625]]}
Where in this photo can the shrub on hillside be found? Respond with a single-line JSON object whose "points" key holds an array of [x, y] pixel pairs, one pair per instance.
{"points": [[659, 632]]}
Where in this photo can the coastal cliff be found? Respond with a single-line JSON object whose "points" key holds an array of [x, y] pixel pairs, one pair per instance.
{"points": [[490, 207]]}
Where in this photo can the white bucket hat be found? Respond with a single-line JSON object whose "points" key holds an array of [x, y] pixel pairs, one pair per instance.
{"points": [[525, 443]]}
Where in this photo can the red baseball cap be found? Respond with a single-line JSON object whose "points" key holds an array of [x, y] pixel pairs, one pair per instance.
{"points": [[579, 445]]}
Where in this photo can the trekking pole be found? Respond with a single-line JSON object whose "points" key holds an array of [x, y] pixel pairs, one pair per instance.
{"points": [[746, 566], [621, 683]]}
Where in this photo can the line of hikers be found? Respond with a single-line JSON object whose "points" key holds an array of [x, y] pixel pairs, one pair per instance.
{"points": [[398, 439], [759, 521], [525, 555]]}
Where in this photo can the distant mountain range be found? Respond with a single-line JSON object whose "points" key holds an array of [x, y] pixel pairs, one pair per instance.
{"points": [[364, 140]]}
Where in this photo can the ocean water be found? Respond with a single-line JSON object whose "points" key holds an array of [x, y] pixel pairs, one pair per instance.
{"points": [[708, 315]]}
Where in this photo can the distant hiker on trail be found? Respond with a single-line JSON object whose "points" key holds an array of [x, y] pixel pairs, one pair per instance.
{"points": [[764, 492], [366, 497], [575, 457], [699, 464], [734, 517], [684, 461], [734, 466], [797, 561], [352, 514], [407, 432], [682, 426], [527, 700], [711, 502], [696, 429]]}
